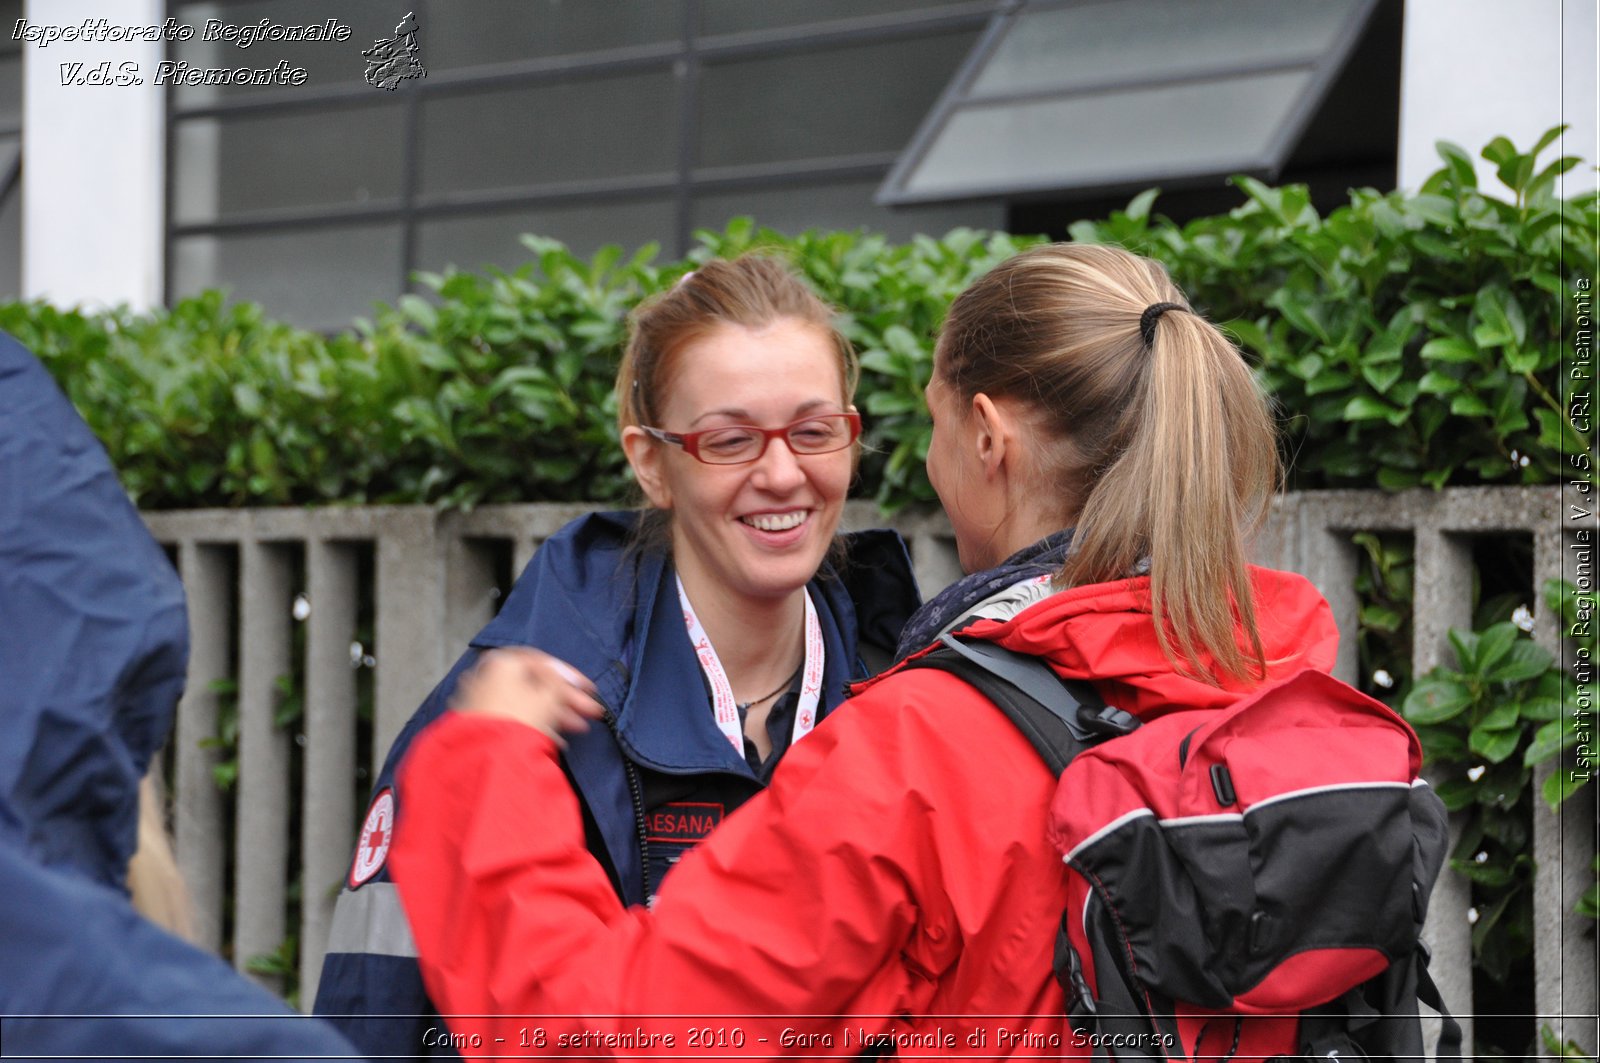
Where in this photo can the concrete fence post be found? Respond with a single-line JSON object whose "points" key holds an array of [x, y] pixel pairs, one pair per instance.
{"points": [[198, 826], [1565, 992], [1444, 600], [411, 619], [262, 808], [330, 748]]}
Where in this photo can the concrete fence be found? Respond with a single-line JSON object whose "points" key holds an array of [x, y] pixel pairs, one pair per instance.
{"points": [[411, 584]]}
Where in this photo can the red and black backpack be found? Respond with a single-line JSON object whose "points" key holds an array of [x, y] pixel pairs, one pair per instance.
{"points": [[1249, 882]]}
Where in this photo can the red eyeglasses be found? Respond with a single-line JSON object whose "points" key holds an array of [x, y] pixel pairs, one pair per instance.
{"points": [[743, 443]]}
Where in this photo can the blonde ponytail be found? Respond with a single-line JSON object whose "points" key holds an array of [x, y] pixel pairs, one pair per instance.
{"points": [[1166, 453]]}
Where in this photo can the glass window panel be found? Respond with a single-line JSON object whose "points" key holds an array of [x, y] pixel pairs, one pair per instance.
{"points": [[498, 31], [11, 63], [734, 16], [10, 224], [472, 242], [317, 279], [1084, 141], [840, 206], [300, 159], [10, 12], [11, 89], [578, 130], [1087, 44], [329, 64], [10, 154], [864, 98]]}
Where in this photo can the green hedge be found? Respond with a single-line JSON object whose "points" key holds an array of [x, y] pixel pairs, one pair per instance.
{"points": [[1410, 338]]}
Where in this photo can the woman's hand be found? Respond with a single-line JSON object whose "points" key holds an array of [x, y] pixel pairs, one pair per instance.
{"points": [[530, 686]]}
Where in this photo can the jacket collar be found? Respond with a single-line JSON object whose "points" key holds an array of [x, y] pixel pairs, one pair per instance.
{"points": [[612, 613], [1104, 633]]}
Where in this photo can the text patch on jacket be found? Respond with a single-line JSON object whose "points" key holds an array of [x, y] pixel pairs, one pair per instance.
{"points": [[683, 821]]}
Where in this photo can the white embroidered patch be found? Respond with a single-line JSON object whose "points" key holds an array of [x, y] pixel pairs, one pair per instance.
{"points": [[373, 847]]}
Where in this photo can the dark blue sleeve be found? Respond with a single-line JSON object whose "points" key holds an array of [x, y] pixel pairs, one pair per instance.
{"points": [[371, 987], [83, 975]]}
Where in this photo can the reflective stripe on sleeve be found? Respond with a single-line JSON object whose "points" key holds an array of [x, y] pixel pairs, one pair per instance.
{"points": [[371, 920]]}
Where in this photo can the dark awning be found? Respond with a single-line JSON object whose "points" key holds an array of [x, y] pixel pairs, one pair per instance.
{"points": [[1067, 95]]}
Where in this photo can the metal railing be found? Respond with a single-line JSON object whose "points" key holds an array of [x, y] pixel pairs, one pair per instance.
{"points": [[411, 584]]}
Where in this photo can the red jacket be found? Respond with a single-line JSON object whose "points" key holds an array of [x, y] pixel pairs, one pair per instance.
{"points": [[897, 876]]}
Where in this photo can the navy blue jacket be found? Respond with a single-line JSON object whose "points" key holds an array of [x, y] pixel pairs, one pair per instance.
{"points": [[657, 776], [93, 647]]}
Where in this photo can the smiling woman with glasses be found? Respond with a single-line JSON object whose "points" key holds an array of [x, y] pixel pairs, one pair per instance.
{"points": [[718, 625]]}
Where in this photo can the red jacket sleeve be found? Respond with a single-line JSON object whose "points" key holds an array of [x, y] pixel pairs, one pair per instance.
{"points": [[897, 865], [797, 904]]}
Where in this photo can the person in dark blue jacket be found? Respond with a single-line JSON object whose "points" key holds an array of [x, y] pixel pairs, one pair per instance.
{"points": [[93, 647], [717, 626]]}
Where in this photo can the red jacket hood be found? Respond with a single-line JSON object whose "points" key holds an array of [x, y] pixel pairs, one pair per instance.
{"points": [[1103, 632]]}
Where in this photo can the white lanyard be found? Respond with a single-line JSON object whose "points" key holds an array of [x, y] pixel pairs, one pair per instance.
{"points": [[722, 700]]}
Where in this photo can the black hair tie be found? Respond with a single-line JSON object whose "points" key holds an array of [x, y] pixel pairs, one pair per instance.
{"points": [[1152, 314]]}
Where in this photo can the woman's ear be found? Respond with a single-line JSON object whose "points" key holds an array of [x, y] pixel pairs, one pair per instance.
{"points": [[995, 433], [645, 458]]}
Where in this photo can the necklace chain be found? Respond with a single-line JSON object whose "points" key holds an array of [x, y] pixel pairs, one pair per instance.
{"points": [[785, 685]]}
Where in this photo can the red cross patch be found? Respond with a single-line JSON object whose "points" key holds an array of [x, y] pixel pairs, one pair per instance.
{"points": [[373, 847]]}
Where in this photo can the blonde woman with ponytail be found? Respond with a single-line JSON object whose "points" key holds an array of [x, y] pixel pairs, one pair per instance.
{"points": [[1103, 453]]}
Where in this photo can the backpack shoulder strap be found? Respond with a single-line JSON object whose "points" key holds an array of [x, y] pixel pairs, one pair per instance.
{"points": [[1060, 717]]}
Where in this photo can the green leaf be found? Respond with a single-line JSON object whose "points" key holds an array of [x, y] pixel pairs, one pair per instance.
{"points": [[1366, 408], [1541, 707], [1557, 433], [885, 403], [1434, 382], [1501, 318], [1435, 700], [1386, 346], [1391, 479], [1458, 163], [1494, 643], [248, 399], [1382, 377], [900, 341], [1499, 151], [1493, 746], [1329, 380], [1549, 137], [1548, 741], [1546, 178], [1457, 794], [879, 361], [1465, 643], [1381, 618], [1524, 660], [420, 311], [1562, 784], [1308, 367], [1436, 210], [1506, 714], [1450, 349], [1139, 206], [1519, 361], [1484, 874]]}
